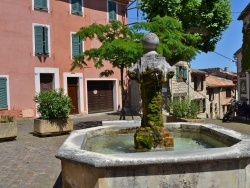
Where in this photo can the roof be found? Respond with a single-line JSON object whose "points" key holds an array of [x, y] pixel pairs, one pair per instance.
{"points": [[220, 73], [238, 51], [244, 13], [196, 71], [214, 81]]}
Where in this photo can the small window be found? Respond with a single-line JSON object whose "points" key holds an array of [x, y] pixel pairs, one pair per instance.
{"points": [[228, 92], [198, 82], [76, 7], [41, 40], [211, 94], [46, 82], [181, 73], [3, 92], [76, 45], [41, 4], [112, 11]]}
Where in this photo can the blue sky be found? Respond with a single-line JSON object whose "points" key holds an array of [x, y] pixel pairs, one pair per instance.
{"points": [[231, 41]]}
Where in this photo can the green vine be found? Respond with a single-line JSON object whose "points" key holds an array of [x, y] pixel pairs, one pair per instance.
{"points": [[245, 62]]}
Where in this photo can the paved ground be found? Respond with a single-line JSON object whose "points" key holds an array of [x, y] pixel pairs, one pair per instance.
{"points": [[29, 161]]}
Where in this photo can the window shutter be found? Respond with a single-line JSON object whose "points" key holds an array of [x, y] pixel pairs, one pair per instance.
{"points": [[46, 41], [40, 4], [37, 3], [204, 105], [112, 11], [79, 7], [3, 93], [75, 45], [202, 80], [38, 39], [184, 73], [177, 73], [73, 6], [44, 4], [195, 83]]}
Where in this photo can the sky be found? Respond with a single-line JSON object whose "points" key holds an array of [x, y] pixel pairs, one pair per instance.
{"points": [[231, 41]]}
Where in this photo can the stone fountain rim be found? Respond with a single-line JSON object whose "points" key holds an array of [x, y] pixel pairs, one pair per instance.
{"points": [[71, 149]]}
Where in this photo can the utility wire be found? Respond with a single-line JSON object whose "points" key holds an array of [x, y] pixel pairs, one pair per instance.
{"points": [[224, 56]]}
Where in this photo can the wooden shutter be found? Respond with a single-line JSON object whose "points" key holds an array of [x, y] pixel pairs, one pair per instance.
{"points": [[40, 4], [195, 83], [3, 93], [75, 45], [39, 39], [46, 40], [177, 73], [112, 11], [79, 7], [184, 73], [73, 6]]}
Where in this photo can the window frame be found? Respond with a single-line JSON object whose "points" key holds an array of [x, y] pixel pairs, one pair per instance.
{"points": [[211, 94], [116, 11], [48, 40], [181, 73], [198, 82], [77, 13], [228, 92], [41, 8], [71, 44]]}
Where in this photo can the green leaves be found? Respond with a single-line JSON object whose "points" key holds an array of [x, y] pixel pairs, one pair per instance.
{"points": [[53, 104], [207, 18]]}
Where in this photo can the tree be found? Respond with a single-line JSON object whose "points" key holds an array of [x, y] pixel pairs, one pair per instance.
{"points": [[245, 62], [120, 46], [206, 18]]}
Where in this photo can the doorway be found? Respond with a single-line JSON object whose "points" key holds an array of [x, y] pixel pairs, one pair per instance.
{"points": [[73, 93]]}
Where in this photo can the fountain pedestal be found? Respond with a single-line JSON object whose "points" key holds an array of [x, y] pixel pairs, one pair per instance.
{"points": [[151, 71]]}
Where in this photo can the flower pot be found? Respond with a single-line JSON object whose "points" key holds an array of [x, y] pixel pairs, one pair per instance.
{"points": [[8, 131], [52, 127]]}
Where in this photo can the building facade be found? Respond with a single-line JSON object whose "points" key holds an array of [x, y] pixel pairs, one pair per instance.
{"points": [[39, 45]]}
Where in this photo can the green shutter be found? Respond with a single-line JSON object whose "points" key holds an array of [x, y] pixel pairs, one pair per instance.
{"points": [[112, 11], [184, 73], [3, 93], [79, 7], [46, 40], [76, 6], [40, 4], [39, 39], [75, 45], [177, 73]]}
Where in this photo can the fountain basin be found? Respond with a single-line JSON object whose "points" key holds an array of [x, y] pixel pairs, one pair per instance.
{"points": [[215, 167]]}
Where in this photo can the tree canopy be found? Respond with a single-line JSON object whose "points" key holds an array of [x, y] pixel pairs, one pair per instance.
{"points": [[206, 18]]}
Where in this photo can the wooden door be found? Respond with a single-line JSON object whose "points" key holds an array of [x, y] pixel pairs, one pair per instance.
{"points": [[100, 96], [73, 93]]}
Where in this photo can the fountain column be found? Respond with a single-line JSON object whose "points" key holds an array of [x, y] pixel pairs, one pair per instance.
{"points": [[151, 71]]}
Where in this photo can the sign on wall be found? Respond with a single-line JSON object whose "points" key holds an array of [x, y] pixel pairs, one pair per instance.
{"points": [[243, 87]]}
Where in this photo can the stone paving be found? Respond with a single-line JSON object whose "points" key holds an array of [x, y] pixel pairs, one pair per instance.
{"points": [[29, 161]]}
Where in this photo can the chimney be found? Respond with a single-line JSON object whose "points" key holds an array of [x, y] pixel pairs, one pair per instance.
{"points": [[226, 69]]}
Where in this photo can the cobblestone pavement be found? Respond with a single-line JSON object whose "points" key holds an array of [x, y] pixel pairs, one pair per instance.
{"points": [[29, 161]]}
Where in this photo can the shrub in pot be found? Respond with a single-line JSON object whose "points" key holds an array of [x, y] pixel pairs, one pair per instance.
{"points": [[8, 128], [53, 107]]}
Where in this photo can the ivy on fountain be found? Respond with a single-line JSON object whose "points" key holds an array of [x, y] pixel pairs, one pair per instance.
{"points": [[152, 132]]}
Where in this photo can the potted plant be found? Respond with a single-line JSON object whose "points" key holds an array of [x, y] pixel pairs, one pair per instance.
{"points": [[53, 107], [8, 128]]}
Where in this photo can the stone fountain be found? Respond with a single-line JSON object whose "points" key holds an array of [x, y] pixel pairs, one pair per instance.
{"points": [[227, 166]]}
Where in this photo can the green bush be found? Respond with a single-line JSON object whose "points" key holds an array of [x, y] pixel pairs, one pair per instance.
{"points": [[53, 104], [6, 119], [183, 108]]}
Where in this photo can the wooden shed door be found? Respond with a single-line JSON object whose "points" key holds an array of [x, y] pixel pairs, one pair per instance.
{"points": [[73, 94], [100, 96]]}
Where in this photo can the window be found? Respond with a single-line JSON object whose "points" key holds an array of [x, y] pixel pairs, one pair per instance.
{"points": [[41, 4], [211, 94], [76, 7], [201, 103], [3, 92], [228, 92], [198, 82], [46, 81], [181, 73], [41, 40], [77, 47], [112, 11]]}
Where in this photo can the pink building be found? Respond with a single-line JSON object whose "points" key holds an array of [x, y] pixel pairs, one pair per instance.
{"points": [[37, 48]]}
